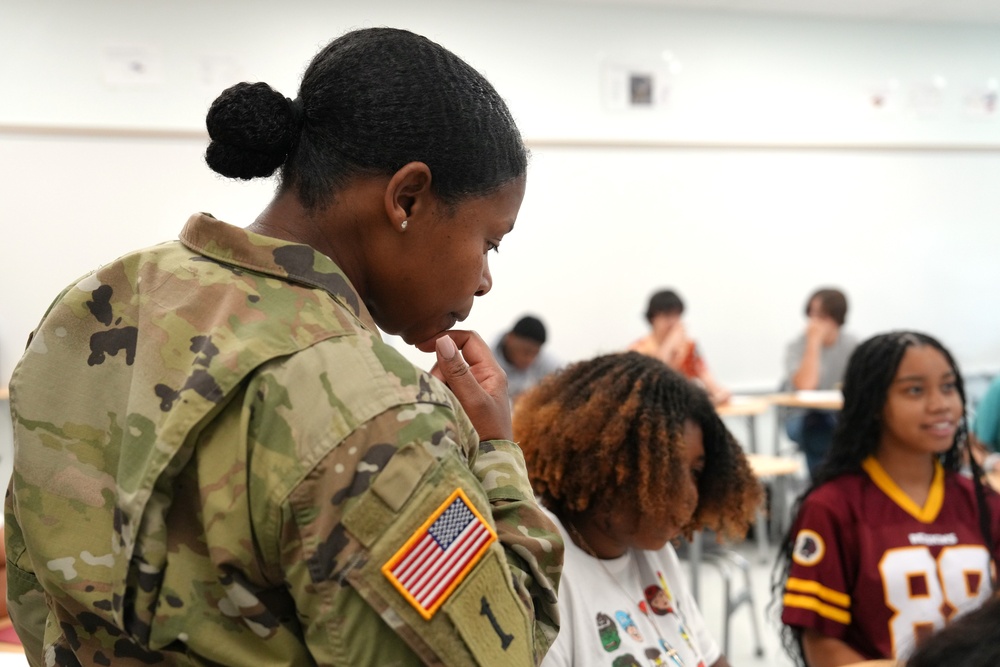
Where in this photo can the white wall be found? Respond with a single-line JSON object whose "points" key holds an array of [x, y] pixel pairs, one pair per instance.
{"points": [[766, 174]]}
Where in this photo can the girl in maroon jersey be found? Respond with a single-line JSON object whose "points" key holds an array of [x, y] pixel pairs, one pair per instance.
{"points": [[890, 541]]}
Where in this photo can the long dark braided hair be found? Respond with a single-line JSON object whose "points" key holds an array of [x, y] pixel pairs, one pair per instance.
{"points": [[609, 431], [870, 372]]}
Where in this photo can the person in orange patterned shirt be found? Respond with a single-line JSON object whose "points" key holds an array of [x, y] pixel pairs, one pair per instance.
{"points": [[670, 343]]}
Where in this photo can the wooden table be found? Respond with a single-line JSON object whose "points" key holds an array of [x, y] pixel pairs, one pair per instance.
{"points": [[807, 400], [810, 400], [749, 407], [743, 406], [766, 467]]}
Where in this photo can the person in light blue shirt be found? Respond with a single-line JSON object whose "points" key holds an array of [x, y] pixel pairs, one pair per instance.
{"points": [[519, 353], [987, 425]]}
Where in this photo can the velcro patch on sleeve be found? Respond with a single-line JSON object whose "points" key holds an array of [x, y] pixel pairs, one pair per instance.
{"points": [[435, 558]]}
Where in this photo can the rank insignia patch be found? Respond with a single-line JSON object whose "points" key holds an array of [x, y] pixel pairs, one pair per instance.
{"points": [[436, 558]]}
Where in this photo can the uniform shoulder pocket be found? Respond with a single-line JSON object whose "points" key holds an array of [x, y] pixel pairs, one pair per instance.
{"points": [[433, 569]]}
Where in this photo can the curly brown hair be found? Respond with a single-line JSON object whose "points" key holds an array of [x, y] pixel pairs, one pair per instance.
{"points": [[609, 431]]}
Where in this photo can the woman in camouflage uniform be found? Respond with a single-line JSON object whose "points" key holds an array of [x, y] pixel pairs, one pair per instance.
{"points": [[219, 461]]}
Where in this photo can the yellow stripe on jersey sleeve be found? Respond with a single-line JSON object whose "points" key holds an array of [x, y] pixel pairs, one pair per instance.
{"points": [[812, 604], [819, 590]]}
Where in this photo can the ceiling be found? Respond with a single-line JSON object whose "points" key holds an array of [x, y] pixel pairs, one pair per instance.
{"points": [[934, 11]]}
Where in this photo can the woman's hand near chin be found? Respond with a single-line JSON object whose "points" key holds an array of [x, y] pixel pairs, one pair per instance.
{"points": [[466, 364]]}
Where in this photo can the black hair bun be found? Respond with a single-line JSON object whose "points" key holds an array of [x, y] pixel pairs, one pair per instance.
{"points": [[253, 128]]}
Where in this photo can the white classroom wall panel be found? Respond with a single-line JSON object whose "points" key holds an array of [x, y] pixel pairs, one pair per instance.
{"points": [[765, 170]]}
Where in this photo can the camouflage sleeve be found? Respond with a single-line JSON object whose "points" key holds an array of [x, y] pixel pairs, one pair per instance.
{"points": [[368, 497], [533, 545]]}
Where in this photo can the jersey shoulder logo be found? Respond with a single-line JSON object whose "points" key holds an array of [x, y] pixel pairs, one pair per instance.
{"points": [[809, 548]]}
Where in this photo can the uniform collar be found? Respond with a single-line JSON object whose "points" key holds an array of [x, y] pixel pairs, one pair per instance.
{"points": [[285, 260]]}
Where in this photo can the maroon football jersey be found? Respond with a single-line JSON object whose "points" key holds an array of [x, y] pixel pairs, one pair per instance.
{"points": [[873, 569]]}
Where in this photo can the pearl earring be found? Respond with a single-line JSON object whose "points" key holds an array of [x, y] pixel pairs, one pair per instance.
{"points": [[402, 225]]}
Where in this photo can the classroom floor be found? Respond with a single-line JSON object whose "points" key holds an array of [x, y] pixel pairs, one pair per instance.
{"points": [[741, 643]]}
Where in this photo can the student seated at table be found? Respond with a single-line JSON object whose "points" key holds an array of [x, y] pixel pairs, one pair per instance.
{"points": [[669, 342], [626, 455], [519, 353], [816, 359], [890, 542]]}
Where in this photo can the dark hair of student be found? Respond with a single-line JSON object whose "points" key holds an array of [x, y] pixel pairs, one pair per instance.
{"points": [[665, 301], [530, 327], [370, 102], [968, 641], [834, 303], [609, 432], [870, 372]]}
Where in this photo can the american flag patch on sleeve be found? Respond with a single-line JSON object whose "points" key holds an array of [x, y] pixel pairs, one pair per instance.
{"points": [[439, 554]]}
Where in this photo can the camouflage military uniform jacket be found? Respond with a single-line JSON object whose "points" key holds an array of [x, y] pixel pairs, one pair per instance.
{"points": [[219, 462]]}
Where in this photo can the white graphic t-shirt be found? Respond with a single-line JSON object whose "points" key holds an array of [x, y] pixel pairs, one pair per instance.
{"points": [[632, 611]]}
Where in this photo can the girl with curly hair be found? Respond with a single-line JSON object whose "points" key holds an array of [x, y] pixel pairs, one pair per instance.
{"points": [[890, 542], [626, 455]]}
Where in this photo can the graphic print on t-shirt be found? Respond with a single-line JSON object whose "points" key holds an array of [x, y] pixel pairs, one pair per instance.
{"points": [[628, 625], [600, 590], [665, 656], [671, 654], [608, 632], [658, 600]]}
